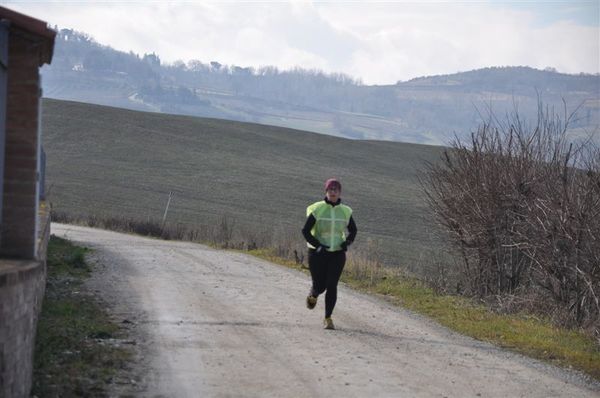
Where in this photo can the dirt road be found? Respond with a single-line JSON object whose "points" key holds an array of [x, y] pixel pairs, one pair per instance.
{"points": [[220, 324]]}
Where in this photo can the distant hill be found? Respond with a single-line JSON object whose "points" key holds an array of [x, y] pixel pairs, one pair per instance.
{"points": [[110, 161], [422, 110]]}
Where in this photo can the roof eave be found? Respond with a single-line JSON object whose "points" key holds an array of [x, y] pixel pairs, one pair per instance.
{"points": [[34, 27]]}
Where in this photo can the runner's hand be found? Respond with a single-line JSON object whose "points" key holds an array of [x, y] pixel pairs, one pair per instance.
{"points": [[321, 248]]}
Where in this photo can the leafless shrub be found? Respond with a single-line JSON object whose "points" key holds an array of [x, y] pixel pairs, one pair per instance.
{"points": [[224, 232], [252, 237], [521, 205], [299, 257], [286, 241], [61, 217], [564, 238], [365, 263], [443, 277]]}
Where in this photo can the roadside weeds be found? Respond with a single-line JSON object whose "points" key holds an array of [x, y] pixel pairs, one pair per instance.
{"points": [[79, 350]]}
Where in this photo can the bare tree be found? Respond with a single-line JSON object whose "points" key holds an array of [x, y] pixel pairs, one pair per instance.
{"points": [[521, 207]]}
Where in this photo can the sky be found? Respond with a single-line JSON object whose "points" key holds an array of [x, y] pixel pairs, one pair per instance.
{"points": [[378, 42]]}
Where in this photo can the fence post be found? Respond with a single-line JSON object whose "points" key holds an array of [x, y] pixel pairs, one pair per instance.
{"points": [[3, 94], [42, 174], [166, 209]]}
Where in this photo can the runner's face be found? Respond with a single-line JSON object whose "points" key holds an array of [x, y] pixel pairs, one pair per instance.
{"points": [[333, 194]]}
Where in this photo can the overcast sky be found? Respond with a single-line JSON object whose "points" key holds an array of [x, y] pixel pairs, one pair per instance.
{"points": [[378, 42]]}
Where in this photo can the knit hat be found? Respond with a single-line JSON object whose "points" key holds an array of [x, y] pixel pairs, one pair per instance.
{"points": [[332, 182]]}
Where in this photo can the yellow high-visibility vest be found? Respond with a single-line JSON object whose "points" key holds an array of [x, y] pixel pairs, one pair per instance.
{"points": [[331, 224]]}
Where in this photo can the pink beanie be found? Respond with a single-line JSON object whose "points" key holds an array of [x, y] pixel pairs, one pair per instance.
{"points": [[332, 182]]}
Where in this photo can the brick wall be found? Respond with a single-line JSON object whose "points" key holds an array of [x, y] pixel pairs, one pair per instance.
{"points": [[22, 246], [21, 292], [20, 200], [22, 286]]}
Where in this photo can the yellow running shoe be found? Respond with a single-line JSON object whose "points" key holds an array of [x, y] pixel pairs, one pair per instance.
{"points": [[328, 322], [311, 301]]}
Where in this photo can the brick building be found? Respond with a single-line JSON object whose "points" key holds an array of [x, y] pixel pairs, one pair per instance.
{"points": [[25, 45]]}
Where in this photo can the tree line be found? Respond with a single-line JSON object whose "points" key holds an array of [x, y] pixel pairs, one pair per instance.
{"points": [[424, 107]]}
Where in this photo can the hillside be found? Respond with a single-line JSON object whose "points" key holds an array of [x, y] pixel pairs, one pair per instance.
{"points": [[110, 161], [423, 110]]}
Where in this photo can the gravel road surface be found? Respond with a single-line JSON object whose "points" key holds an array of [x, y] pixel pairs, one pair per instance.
{"points": [[213, 323]]}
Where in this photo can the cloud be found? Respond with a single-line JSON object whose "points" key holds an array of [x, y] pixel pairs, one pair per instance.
{"points": [[407, 40], [378, 42]]}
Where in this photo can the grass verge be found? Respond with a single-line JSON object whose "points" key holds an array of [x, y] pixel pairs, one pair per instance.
{"points": [[522, 333], [74, 351]]}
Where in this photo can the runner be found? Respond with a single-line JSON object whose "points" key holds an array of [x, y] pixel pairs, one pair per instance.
{"points": [[325, 234]]}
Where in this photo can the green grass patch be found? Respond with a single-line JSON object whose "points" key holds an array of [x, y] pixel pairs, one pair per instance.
{"points": [[66, 259], [522, 333], [73, 353]]}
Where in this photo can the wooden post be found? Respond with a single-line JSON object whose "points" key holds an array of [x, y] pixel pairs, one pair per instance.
{"points": [[167, 209]]}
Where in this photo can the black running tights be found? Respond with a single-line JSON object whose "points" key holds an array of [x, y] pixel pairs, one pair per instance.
{"points": [[325, 270]]}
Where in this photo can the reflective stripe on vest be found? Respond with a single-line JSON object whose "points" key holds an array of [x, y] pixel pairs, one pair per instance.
{"points": [[331, 223]]}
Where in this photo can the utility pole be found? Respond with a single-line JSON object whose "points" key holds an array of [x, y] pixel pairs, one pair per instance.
{"points": [[167, 209]]}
